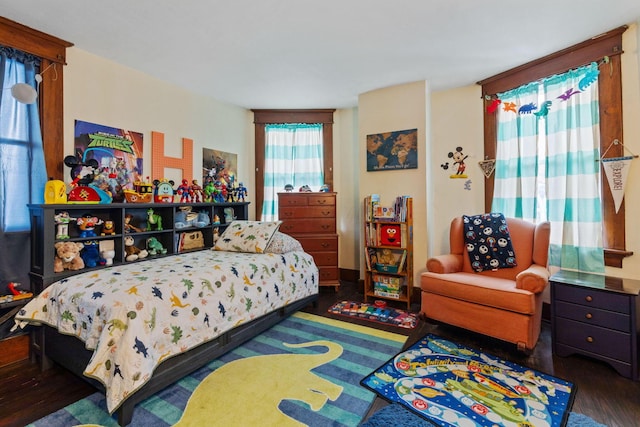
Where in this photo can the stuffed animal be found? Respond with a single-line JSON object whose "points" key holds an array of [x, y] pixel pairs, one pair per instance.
{"points": [[108, 228], [90, 254], [68, 256], [133, 252], [155, 247], [386, 257]]}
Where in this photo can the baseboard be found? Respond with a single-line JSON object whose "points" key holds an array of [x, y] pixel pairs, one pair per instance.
{"points": [[14, 349]]}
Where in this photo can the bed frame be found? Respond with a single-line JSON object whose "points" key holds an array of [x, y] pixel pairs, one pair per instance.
{"points": [[49, 346]]}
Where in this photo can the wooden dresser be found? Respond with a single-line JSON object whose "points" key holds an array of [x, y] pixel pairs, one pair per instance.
{"points": [[311, 219]]}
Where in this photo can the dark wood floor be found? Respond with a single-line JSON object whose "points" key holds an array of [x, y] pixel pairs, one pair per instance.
{"points": [[27, 394]]}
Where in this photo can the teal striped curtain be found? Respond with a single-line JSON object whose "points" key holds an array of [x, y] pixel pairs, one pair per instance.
{"points": [[293, 155], [547, 168]]}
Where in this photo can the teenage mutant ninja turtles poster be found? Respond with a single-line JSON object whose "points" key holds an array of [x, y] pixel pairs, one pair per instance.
{"points": [[118, 153]]}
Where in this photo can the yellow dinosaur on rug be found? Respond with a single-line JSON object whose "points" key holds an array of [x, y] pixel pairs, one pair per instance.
{"points": [[224, 399]]}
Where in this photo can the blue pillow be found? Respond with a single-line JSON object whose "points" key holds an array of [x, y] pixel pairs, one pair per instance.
{"points": [[488, 242]]}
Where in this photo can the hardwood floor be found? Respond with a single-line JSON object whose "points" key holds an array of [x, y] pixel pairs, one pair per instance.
{"points": [[26, 394]]}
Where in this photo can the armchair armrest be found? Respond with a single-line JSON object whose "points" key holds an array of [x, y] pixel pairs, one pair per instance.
{"points": [[449, 263], [533, 279]]}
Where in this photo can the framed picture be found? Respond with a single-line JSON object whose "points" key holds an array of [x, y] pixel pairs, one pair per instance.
{"points": [[392, 150]]}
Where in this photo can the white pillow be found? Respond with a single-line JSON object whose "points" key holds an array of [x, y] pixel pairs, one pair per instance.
{"points": [[283, 243], [247, 236]]}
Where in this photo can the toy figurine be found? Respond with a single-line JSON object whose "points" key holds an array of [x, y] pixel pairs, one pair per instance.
{"points": [[196, 192], [153, 219], [241, 192], [63, 219], [87, 224], [128, 227], [229, 215], [230, 196], [184, 192], [216, 219]]}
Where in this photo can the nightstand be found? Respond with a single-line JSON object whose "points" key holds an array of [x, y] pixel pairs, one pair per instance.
{"points": [[596, 316]]}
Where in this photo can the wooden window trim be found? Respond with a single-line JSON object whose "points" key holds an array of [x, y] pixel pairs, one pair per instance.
{"points": [[51, 50], [265, 117], [610, 93]]}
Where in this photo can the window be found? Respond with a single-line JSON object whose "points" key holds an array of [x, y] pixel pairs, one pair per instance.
{"points": [[610, 100], [262, 118], [293, 156]]}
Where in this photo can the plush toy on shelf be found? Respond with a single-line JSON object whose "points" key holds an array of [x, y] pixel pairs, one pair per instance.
{"points": [[133, 253], [90, 254], [68, 256], [154, 247]]}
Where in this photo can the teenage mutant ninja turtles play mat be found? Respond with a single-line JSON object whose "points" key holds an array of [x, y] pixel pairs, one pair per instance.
{"points": [[453, 385]]}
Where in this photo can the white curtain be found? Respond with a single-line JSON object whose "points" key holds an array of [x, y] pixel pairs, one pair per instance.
{"points": [[546, 164], [293, 155]]}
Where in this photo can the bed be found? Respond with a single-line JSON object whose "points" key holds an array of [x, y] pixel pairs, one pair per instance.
{"points": [[133, 329]]}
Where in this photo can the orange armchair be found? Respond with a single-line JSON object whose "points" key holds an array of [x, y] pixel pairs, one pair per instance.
{"points": [[505, 303]]}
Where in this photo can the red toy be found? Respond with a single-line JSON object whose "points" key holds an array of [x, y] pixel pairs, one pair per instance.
{"points": [[390, 235]]}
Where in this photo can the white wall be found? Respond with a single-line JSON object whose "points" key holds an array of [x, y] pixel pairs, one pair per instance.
{"points": [[104, 92], [391, 109]]}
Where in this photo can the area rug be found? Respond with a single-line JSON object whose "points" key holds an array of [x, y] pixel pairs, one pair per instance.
{"points": [[453, 385], [398, 416], [303, 371], [387, 315]]}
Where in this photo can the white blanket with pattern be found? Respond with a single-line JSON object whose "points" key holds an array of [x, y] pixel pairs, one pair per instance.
{"points": [[134, 316]]}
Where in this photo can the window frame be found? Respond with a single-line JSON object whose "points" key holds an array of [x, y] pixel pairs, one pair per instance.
{"points": [[263, 117], [51, 50], [607, 45]]}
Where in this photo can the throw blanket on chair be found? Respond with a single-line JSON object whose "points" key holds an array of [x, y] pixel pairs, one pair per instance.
{"points": [[488, 242]]}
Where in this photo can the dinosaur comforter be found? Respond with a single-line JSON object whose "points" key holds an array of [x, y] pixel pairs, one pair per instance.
{"points": [[135, 316]]}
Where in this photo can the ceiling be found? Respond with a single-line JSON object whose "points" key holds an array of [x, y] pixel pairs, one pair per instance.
{"points": [[319, 54]]}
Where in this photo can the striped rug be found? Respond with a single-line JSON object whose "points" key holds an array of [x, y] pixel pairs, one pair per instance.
{"points": [[361, 349]]}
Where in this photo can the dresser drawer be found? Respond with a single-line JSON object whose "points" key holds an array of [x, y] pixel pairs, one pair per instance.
{"points": [[324, 258], [593, 316], [329, 274], [292, 199], [318, 225], [322, 200], [307, 212], [590, 297], [319, 243], [594, 339]]}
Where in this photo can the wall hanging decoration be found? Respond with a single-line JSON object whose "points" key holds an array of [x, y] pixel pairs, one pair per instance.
{"points": [[458, 157], [118, 153], [617, 171], [220, 176], [392, 150], [487, 166]]}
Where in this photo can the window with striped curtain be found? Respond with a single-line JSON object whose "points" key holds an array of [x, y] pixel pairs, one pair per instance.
{"points": [[546, 167], [293, 155]]}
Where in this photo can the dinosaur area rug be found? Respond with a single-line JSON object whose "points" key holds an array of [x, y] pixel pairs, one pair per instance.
{"points": [[456, 386], [305, 370], [375, 313]]}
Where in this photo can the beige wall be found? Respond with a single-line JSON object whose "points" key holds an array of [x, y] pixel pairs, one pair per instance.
{"points": [[390, 109], [99, 91]]}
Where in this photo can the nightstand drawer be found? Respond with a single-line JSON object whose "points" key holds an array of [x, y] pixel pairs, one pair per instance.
{"points": [[593, 316], [594, 339], [612, 301]]}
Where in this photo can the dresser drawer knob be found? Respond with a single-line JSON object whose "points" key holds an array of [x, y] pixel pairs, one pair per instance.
{"points": [[588, 298], [588, 316], [589, 339], [324, 245], [326, 213]]}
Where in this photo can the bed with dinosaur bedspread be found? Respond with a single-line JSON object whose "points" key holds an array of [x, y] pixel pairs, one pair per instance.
{"points": [[135, 328]]}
